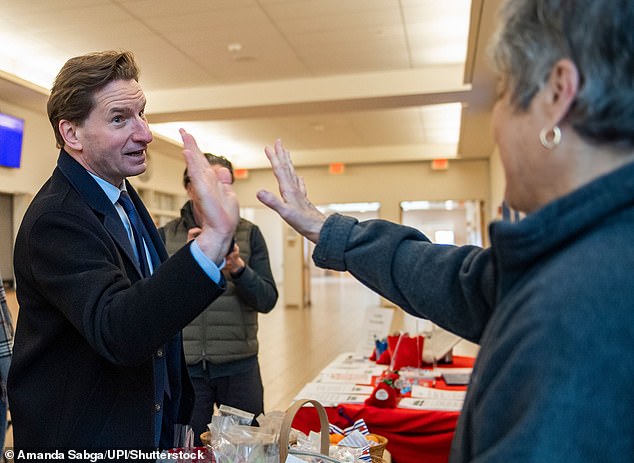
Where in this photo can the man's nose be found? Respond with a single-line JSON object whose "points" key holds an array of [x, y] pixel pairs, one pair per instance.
{"points": [[142, 131]]}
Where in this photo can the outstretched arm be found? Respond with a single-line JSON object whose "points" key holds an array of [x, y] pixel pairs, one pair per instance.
{"points": [[214, 198], [293, 206]]}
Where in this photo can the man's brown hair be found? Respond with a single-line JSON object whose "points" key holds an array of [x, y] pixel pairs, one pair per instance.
{"points": [[72, 95], [213, 160]]}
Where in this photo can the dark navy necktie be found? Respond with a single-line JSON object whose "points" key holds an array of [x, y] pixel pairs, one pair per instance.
{"points": [[137, 231], [162, 388]]}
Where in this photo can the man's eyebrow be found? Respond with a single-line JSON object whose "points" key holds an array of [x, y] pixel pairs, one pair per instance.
{"points": [[121, 110], [118, 109]]}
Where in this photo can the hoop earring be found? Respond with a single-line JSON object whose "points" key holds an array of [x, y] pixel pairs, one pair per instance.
{"points": [[553, 141]]}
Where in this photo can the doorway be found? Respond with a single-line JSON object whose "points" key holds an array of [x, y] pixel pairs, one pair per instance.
{"points": [[446, 222]]}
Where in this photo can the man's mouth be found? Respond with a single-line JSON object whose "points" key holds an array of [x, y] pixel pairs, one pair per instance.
{"points": [[136, 153]]}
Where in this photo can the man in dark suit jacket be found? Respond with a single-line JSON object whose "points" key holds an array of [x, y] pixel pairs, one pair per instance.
{"points": [[98, 360]]}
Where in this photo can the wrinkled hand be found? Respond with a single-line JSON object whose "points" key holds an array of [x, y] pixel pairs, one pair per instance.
{"points": [[294, 206], [214, 198], [234, 261]]}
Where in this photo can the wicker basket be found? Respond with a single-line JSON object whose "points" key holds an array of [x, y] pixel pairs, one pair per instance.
{"points": [[288, 421], [377, 450]]}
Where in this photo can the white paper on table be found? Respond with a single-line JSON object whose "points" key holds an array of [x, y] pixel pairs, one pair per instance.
{"points": [[328, 399], [357, 374], [447, 405], [353, 363], [368, 368], [337, 376], [414, 374], [339, 388], [359, 370], [349, 358], [422, 392], [377, 323]]}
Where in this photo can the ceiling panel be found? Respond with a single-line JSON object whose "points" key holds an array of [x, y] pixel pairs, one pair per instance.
{"points": [[143, 9], [12, 8], [342, 22], [288, 50], [84, 15], [295, 9], [245, 17]]}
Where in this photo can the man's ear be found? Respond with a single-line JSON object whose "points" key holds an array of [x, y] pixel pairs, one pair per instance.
{"points": [[68, 130], [561, 89]]}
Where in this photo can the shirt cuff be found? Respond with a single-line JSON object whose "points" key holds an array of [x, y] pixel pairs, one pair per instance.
{"points": [[209, 266]]}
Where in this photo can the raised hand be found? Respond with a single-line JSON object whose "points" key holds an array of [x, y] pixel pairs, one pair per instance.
{"points": [[294, 206], [214, 198]]}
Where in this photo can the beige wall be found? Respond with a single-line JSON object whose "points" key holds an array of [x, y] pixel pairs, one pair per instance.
{"points": [[388, 184], [38, 152], [497, 182], [38, 160]]}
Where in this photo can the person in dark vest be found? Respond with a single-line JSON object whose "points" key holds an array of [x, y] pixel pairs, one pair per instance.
{"points": [[221, 344]]}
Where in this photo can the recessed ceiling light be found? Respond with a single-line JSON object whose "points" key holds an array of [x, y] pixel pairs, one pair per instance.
{"points": [[234, 47]]}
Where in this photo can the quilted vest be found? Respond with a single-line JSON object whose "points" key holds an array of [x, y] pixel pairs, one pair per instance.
{"points": [[227, 329]]}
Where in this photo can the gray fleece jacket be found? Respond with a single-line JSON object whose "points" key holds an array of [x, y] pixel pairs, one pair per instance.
{"points": [[551, 304]]}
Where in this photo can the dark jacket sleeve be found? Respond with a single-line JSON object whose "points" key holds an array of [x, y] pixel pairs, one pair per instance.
{"points": [[75, 263], [452, 286], [256, 285]]}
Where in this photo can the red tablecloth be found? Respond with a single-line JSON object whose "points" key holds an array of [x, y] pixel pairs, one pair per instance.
{"points": [[414, 436]]}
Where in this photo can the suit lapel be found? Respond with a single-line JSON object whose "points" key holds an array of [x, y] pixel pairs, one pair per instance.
{"points": [[94, 196], [155, 238]]}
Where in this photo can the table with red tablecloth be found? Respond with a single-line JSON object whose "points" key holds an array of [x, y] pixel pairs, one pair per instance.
{"points": [[414, 436]]}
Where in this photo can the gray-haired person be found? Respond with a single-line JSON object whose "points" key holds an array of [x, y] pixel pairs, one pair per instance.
{"points": [[551, 302]]}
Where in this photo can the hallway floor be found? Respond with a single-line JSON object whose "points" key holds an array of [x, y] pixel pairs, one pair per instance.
{"points": [[296, 344]]}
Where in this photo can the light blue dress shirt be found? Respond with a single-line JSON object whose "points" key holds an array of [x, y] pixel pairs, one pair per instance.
{"points": [[209, 266]]}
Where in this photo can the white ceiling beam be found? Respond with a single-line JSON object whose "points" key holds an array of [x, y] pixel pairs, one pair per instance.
{"points": [[354, 92], [369, 155]]}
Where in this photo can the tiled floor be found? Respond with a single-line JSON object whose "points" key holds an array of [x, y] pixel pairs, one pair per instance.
{"points": [[296, 344]]}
